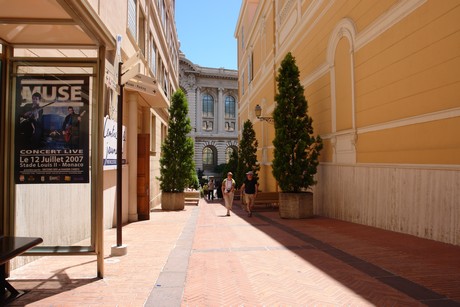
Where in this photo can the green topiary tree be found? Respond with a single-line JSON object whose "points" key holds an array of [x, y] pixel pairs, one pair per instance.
{"points": [[194, 183], [177, 167], [247, 153], [200, 174], [296, 150], [231, 166]]}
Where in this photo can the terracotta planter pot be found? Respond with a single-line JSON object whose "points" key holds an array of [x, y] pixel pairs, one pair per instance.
{"points": [[172, 201], [296, 205]]}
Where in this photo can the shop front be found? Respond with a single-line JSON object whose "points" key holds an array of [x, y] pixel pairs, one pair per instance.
{"points": [[52, 88]]}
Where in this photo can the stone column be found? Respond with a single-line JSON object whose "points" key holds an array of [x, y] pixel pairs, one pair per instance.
{"points": [[220, 111], [199, 111], [193, 105], [132, 155]]}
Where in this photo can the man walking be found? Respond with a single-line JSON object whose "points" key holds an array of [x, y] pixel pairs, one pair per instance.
{"points": [[211, 189], [249, 190]]}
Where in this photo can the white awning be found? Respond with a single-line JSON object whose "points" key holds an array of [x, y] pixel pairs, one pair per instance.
{"points": [[134, 80], [148, 90], [36, 23]]}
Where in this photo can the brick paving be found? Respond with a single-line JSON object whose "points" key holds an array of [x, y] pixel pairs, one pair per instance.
{"points": [[200, 257]]}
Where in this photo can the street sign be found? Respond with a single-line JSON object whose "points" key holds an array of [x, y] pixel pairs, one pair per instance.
{"points": [[141, 87], [110, 78], [146, 79], [130, 62], [131, 73], [119, 38]]}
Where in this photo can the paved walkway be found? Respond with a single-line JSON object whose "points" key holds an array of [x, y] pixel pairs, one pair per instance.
{"points": [[200, 257]]}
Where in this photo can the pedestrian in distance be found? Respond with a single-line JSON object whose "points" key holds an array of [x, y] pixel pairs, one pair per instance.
{"points": [[228, 190], [249, 191], [219, 194], [211, 187], [205, 190]]}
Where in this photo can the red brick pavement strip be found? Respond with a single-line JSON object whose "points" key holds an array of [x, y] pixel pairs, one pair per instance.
{"points": [[429, 264], [277, 267], [128, 281], [254, 261]]}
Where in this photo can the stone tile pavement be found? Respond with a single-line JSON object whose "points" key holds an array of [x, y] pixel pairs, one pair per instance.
{"points": [[200, 257]]}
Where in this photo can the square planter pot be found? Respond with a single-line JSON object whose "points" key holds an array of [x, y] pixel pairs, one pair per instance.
{"points": [[296, 205], [172, 201]]}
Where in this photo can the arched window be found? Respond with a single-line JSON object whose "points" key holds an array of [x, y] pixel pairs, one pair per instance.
{"points": [[208, 156], [208, 106], [230, 107]]}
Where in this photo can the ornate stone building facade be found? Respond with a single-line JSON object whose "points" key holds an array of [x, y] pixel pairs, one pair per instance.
{"points": [[212, 94]]}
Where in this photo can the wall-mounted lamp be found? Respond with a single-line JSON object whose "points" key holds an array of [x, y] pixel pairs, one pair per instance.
{"points": [[258, 112]]}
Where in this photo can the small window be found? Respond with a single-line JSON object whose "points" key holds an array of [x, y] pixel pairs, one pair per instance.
{"points": [[163, 15], [208, 106], [153, 134], [166, 84], [153, 56], [141, 38], [230, 107], [164, 132], [250, 68], [242, 37], [132, 17]]}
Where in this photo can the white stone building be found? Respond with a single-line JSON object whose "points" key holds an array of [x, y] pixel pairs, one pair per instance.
{"points": [[212, 94]]}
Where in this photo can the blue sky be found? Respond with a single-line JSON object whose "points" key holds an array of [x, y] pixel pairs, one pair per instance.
{"points": [[206, 29]]}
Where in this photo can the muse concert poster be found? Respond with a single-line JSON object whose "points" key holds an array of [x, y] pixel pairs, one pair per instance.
{"points": [[52, 129]]}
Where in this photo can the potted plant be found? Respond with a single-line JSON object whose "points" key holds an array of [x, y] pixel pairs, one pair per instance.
{"points": [[176, 163], [296, 150]]}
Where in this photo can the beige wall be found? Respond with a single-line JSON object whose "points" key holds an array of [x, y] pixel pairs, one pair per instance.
{"points": [[115, 15], [66, 210], [434, 142], [62, 214], [381, 81], [421, 201]]}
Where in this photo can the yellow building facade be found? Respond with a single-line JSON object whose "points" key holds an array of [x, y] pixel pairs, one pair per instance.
{"points": [[382, 83]]}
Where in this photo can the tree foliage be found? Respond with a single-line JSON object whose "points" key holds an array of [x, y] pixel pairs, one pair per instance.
{"points": [[177, 167], [247, 153], [296, 150], [232, 165], [201, 180], [221, 169]]}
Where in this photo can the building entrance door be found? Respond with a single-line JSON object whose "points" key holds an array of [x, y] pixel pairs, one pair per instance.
{"points": [[143, 176]]}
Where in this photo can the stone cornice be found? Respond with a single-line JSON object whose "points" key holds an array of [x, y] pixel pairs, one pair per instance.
{"points": [[207, 72]]}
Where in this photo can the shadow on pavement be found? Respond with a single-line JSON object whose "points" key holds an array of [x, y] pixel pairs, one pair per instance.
{"points": [[425, 270]]}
